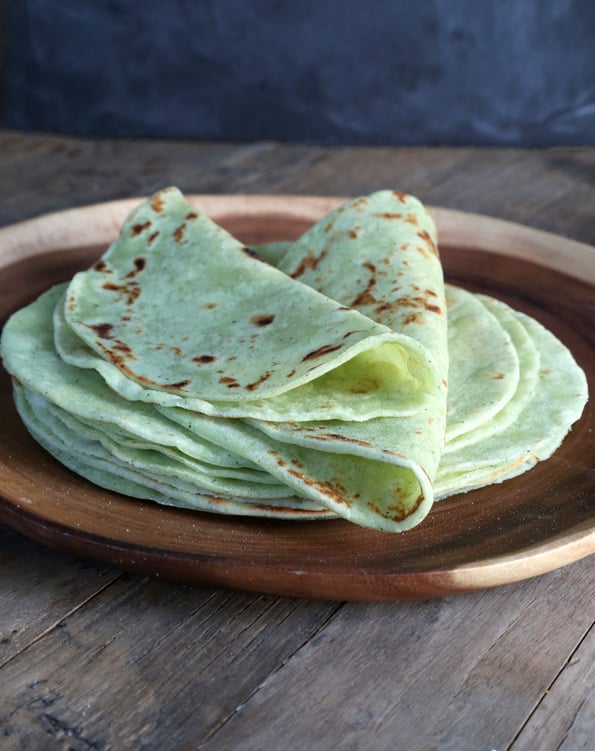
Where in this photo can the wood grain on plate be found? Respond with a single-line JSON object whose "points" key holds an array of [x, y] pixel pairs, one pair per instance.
{"points": [[503, 533]]}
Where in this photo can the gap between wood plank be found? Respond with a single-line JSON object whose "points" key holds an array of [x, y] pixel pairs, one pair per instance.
{"points": [[227, 719], [68, 613], [510, 746]]}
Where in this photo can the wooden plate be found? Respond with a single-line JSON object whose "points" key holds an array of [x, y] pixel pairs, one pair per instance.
{"points": [[524, 527]]}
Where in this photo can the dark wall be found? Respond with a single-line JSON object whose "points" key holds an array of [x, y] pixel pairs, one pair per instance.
{"points": [[340, 71]]}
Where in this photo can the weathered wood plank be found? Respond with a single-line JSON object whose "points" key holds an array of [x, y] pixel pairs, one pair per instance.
{"points": [[41, 173], [460, 673], [565, 718], [39, 587], [149, 665]]}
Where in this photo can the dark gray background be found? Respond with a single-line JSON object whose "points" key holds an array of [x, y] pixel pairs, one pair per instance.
{"points": [[516, 72]]}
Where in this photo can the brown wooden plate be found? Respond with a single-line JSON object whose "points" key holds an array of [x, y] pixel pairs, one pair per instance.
{"points": [[503, 533]]}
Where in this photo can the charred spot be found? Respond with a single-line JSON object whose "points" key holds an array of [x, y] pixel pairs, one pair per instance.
{"points": [[204, 359], [263, 320], [431, 293], [433, 308], [157, 204], [178, 233], [310, 261], [354, 233], [210, 305], [152, 237], [100, 265], [136, 229], [291, 373], [103, 330], [324, 350], [401, 197], [191, 215]]}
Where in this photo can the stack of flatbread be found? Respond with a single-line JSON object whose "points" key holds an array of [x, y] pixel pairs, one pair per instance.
{"points": [[334, 376]]}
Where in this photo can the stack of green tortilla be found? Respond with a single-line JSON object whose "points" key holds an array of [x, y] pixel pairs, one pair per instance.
{"points": [[336, 375]]}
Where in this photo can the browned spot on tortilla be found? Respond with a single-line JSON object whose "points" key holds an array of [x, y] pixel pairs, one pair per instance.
{"points": [[412, 219], [344, 439], [100, 265], [192, 215], [397, 511], [332, 489], [178, 233], [178, 386], [103, 330], [324, 350], [210, 305], [291, 373], [409, 301], [429, 242], [354, 233], [139, 265], [119, 360], [431, 293], [363, 201], [401, 197], [204, 359], [263, 320], [444, 383], [413, 318], [157, 204], [128, 292], [177, 351], [152, 237], [124, 348], [264, 377], [309, 261], [388, 215], [545, 372], [498, 376], [231, 383], [136, 229]]}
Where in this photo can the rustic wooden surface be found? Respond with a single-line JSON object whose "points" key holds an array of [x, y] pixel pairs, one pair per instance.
{"points": [[91, 658]]}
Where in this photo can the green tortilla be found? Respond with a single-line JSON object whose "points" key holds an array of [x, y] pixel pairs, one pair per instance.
{"points": [[186, 369]]}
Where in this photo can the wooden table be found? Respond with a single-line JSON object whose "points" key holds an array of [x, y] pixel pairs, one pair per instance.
{"points": [[93, 658]]}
